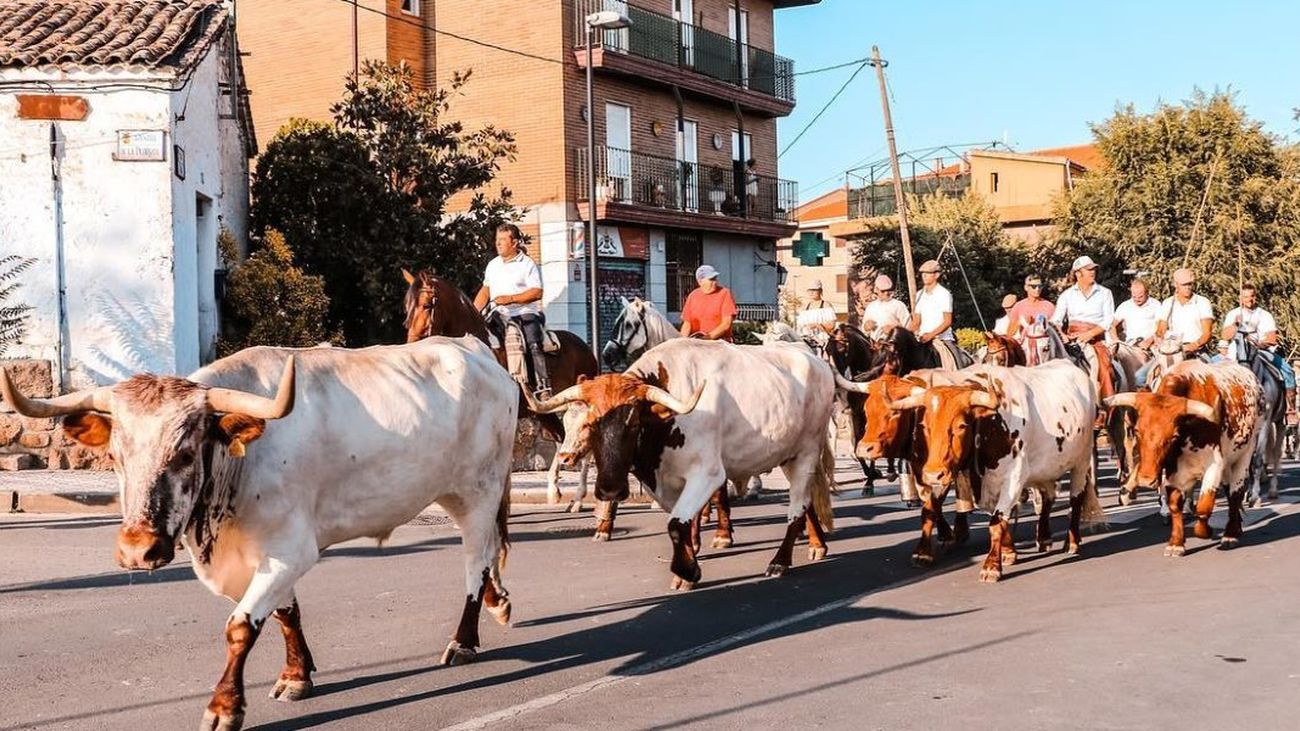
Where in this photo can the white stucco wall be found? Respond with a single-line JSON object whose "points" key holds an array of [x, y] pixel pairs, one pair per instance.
{"points": [[132, 295]]}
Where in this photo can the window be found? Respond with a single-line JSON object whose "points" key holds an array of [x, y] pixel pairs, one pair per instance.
{"points": [[841, 283], [993, 182], [411, 7]]}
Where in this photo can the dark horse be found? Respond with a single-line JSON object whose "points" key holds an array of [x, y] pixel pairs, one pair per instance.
{"points": [[1003, 351], [436, 307], [854, 356]]}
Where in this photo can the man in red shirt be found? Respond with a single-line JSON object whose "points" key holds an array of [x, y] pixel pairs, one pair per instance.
{"points": [[710, 309]]}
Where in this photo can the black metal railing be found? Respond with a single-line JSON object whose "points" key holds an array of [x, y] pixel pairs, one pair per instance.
{"points": [[877, 199], [662, 38], [623, 176]]}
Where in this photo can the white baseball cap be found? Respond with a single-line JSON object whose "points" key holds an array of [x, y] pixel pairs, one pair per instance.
{"points": [[706, 271], [1083, 262]]}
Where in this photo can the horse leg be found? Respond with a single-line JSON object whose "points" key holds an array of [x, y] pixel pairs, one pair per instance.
{"points": [[722, 536]]}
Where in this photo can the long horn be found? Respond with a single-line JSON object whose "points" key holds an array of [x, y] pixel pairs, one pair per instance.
{"points": [[847, 385], [667, 400], [914, 400], [983, 398], [558, 402], [94, 399], [1202, 410], [1129, 400], [230, 401]]}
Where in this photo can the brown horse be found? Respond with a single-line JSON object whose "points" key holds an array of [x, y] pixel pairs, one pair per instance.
{"points": [[436, 307], [1003, 351]]}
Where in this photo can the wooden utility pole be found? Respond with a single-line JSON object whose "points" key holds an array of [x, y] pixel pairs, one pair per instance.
{"points": [[899, 200]]}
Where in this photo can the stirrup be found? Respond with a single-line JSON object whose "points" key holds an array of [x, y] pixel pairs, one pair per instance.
{"points": [[542, 394]]}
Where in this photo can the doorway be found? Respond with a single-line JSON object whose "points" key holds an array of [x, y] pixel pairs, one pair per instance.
{"points": [[618, 151], [205, 262], [739, 32], [688, 159]]}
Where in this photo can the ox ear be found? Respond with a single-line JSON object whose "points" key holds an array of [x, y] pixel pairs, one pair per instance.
{"points": [[410, 279], [88, 428], [237, 430]]}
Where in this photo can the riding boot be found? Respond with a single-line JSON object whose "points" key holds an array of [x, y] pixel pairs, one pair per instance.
{"points": [[541, 377]]}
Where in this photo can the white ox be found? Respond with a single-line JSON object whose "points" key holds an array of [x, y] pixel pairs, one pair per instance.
{"points": [[1013, 428], [363, 441], [689, 415]]}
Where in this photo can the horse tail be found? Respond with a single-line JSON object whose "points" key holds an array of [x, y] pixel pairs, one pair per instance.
{"points": [[821, 487]]}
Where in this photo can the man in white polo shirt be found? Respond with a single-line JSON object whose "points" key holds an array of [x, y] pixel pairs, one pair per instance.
{"points": [[514, 283], [1088, 309], [884, 312], [1186, 317], [1138, 316], [932, 315], [1259, 327]]}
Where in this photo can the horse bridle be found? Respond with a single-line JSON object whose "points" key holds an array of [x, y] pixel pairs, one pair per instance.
{"points": [[618, 339], [429, 289]]}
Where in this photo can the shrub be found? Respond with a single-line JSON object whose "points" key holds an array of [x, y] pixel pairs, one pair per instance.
{"points": [[970, 339], [269, 301], [13, 317]]}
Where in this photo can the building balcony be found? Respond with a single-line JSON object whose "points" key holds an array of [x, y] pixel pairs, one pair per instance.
{"points": [[657, 191], [660, 49], [877, 198]]}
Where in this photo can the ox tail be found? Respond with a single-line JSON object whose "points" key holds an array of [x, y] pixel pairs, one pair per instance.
{"points": [[503, 527], [821, 487]]}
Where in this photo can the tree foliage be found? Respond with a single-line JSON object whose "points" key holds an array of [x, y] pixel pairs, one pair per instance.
{"points": [[13, 315], [367, 196], [950, 228], [1195, 184], [269, 300]]}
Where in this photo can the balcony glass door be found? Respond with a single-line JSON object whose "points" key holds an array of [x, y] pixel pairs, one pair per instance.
{"points": [[618, 151], [684, 14], [688, 163], [739, 33]]}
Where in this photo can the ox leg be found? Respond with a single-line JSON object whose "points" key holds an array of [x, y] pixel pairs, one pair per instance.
{"points": [[553, 495], [869, 474], [1205, 502], [940, 495], [1044, 532], [1232, 531], [697, 492], [606, 511], [932, 506], [722, 536], [991, 571], [481, 540], [1177, 541], [816, 537], [907, 491], [581, 494], [685, 567], [964, 503], [295, 680], [226, 709], [785, 552]]}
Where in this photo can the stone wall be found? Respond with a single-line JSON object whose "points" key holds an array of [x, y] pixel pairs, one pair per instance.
{"points": [[533, 451], [39, 443]]}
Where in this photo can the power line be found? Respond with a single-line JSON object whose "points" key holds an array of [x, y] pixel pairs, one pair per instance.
{"points": [[828, 104], [420, 24]]}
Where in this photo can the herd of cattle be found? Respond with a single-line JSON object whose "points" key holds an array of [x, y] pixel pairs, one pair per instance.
{"points": [[260, 461]]}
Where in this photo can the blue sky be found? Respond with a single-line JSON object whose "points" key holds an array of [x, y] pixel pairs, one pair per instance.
{"points": [[1036, 72]]}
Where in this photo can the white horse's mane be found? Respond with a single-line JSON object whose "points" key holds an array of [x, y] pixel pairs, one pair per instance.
{"points": [[657, 326]]}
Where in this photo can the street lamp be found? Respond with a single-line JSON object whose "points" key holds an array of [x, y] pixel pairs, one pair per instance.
{"points": [[603, 20]]}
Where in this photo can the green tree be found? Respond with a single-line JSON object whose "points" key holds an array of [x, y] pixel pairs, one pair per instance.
{"points": [[363, 198], [947, 228], [13, 315], [269, 300], [1196, 184]]}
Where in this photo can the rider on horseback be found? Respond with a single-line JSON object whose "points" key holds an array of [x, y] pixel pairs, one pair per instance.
{"points": [[514, 284], [1138, 316], [1186, 317], [1260, 329], [710, 310], [1090, 309], [817, 318], [884, 312], [932, 314], [1025, 312], [1002, 325]]}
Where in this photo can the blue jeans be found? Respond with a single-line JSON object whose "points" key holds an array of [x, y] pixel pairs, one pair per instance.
{"points": [[1144, 372]]}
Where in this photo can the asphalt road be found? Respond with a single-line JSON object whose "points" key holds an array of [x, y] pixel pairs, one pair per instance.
{"points": [[1119, 638]]}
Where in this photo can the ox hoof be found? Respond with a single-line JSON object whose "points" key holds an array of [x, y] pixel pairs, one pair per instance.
{"points": [[1203, 530], [600, 537], [680, 584], [1072, 549], [1175, 550], [455, 654], [1227, 544], [574, 507], [501, 612], [1010, 558], [553, 498], [990, 576], [291, 690], [1044, 546], [775, 569], [1125, 497], [213, 722], [816, 554], [721, 542], [922, 561], [1254, 502]]}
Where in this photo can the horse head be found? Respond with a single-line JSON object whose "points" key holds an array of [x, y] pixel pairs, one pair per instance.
{"points": [[1003, 351], [435, 307]]}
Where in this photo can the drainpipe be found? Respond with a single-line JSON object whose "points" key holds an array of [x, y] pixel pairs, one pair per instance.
{"points": [[56, 181]]}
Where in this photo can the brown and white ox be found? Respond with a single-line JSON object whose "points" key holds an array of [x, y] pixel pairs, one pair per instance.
{"points": [[1013, 428], [256, 479], [898, 434], [1199, 425], [688, 415]]}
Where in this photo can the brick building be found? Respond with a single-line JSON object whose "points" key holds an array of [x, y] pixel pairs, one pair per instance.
{"points": [[673, 93]]}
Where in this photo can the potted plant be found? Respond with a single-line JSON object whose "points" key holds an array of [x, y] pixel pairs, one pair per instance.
{"points": [[716, 194]]}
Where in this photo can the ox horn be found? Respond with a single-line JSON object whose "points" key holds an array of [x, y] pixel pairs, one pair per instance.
{"points": [[985, 399], [914, 400], [848, 385], [1202, 410], [94, 399], [1129, 400], [668, 401], [558, 402], [230, 401]]}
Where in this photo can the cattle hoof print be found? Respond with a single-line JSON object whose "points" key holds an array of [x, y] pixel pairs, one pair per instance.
{"points": [[501, 612], [291, 690], [1175, 550], [816, 554], [455, 654], [213, 722], [680, 584], [775, 569], [1227, 544], [721, 542]]}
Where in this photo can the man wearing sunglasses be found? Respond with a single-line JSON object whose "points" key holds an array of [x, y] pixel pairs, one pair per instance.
{"points": [[1030, 308]]}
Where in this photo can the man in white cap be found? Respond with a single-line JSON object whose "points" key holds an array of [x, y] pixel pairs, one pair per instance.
{"points": [[709, 310], [1138, 316], [932, 314], [1186, 317], [817, 317], [1260, 328], [1002, 325], [514, 283], [1088, 310], [884, 312]]}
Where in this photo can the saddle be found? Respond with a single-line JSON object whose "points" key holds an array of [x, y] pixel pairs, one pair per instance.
{"points": [[943, 349], [550, 342]]}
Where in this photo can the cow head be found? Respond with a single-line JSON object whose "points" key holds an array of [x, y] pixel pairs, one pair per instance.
{"points": [[157, 428], [950, 420], [1166, 425], [888, 431], [625, 418]]}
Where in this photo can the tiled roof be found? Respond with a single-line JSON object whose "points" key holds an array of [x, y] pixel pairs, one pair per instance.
{"points": [[1086, 155], [834, 204], [130, 33]]}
